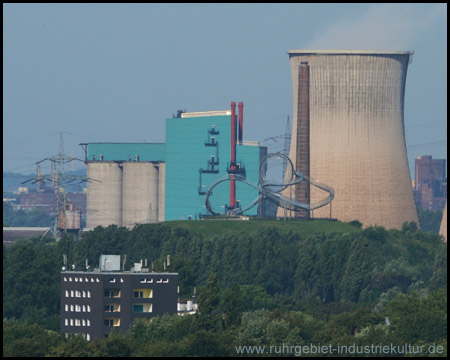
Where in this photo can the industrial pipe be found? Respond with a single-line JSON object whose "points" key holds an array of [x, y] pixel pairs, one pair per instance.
{"points": [[241, 121], [233, 156]]}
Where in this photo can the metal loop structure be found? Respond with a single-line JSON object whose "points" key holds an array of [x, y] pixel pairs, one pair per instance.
{"points": [[266, 190]]}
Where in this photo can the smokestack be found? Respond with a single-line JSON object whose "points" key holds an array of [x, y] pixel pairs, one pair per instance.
{"points": [[302, 190], [233, 156], [241, 121]]}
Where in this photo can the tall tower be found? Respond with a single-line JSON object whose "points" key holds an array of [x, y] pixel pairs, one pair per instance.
{"points": [[356, 133]]}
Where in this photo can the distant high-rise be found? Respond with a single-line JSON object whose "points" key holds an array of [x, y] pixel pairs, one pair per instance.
{"points": [[430, 183], [356, 133]]}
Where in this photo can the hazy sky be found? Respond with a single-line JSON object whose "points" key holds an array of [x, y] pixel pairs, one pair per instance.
{"points": [[115, 72]]}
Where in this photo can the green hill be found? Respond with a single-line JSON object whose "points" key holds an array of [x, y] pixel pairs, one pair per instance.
{"points": [[228, 227]]}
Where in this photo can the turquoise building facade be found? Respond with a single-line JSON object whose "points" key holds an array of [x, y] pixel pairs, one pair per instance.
{"points": [[197, 153]]}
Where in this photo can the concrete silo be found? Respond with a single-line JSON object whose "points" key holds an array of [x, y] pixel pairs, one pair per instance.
{"points": [[140, 193], [357, 139], [104, 194]]}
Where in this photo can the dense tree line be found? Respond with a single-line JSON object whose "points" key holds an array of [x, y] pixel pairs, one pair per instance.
{"points": [[430, 220], [272, 288], [22, 218]]}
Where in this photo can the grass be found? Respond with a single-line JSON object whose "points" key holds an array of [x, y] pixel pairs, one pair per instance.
{"points": [[230, 227]]}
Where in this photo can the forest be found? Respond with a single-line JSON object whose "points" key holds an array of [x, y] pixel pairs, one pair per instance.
{"points": [[271, 287]]}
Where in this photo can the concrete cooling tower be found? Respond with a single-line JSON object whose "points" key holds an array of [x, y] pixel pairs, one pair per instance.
{"points": [[443, 228], [356, 133]]}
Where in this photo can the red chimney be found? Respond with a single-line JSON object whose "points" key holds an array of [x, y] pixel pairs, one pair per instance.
{"points": [[233, 156]]}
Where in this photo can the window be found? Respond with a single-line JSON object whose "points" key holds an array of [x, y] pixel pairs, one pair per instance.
{"points": [[71, 322], [88, 322], [166, 281], [121, 280], [77, 293], [89, 308], [142, 293], [84, 308], [65, 279], [66, 307], [76, 279], [112, 308], [77, 308], [71, 307], [83, 322], [92, 279], [88, 337], [142, 308], [84, 293], [97, 279], [71, 293], [77, 322], [109, 293], [67, 293], [70, 278], [159, 281], [111, 322], [86, 279], [66, 322], [81, 279], [88, 294], [112, 280]]}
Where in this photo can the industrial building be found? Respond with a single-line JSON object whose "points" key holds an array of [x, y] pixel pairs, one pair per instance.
{"points": [[430, 183], [93, 303], [348, 132], [141, 183]]}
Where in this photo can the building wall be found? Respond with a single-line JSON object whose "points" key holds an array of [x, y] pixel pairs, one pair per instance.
{"points": [[186, 153], [357, 143], [163, 300], [122, 151]]}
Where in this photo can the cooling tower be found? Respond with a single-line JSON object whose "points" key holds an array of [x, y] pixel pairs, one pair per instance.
{"points": [[104, 194], [443, 229], [357, 139], [140, 193]]}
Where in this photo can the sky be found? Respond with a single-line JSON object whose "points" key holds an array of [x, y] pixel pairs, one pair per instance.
{"points": [[115, 72]]}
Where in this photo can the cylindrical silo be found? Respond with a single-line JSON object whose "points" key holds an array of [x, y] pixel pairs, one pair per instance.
{"points": [[104, 194], [357, 139], [140, 193]]}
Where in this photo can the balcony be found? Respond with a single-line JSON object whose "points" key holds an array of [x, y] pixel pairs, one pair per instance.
{"points": [[142, 293], [239, 168]]}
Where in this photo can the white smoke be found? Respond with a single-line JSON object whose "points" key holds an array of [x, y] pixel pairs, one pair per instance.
{"points": [[382, 27]]}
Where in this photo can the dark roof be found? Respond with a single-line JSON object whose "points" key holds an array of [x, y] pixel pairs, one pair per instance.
{"points": [[12, 234]]}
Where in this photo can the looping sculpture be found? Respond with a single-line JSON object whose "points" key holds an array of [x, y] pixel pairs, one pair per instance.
{"points": [[267, 190]]}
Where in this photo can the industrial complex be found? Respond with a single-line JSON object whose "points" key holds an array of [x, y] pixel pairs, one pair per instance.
{"points": [[143, 183], [347, 158]]}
